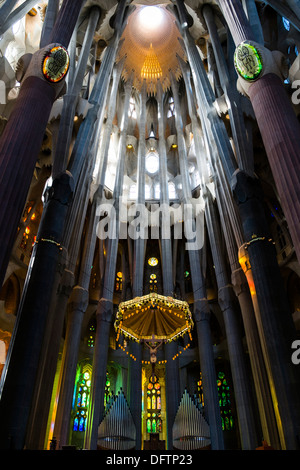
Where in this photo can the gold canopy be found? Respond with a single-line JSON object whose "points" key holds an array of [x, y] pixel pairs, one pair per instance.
{"points": [[153, 317]]}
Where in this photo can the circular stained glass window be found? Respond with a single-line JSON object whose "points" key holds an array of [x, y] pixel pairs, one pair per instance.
{"points": [[153, 261], [56, 64], [152, 276], [248, 61]]}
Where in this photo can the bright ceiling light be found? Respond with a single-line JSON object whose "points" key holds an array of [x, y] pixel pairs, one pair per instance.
{"points": [[151, 17]]}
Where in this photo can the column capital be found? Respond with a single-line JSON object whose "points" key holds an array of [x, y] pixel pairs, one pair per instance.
{"points": [[253, 61], [79, 299], [201, 310], [61, 188], [239, 280], [226, 297], [50, 64], [104, 311]]}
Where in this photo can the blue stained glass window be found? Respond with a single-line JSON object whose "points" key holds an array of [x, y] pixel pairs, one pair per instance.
{"points": [[82, 401], [286, 24]]}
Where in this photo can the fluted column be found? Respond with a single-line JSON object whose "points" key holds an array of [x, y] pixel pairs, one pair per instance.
{"points": [[134, 367], [240, 376], [49, 21], [277, 330], [105, 304], [201, 308], [23, 134], [22, 361], [171, 348], [277, 121], [77, 306], [232, 96]]}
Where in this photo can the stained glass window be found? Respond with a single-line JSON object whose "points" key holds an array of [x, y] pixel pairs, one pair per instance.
{"points": [[82, 402], [118, 285], [224, 400], [153, 283], [153, 261], [153, 423], [286, 24], [91, 338]]}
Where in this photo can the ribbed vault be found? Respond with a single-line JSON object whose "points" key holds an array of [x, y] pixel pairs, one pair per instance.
{"points": [[153, 42]]}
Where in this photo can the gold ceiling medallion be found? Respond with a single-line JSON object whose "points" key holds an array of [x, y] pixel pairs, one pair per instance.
{"points": [[151, 69]]}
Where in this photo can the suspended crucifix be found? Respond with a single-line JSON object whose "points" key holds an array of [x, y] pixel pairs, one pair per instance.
{"points": [[153, 319]]}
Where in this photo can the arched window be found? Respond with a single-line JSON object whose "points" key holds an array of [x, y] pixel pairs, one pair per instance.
{"points": [[171, 110], [91, 338], [172, 190], [153, 283], [132, 110], [118, 285], [82, 401], [152, 163], [224, 400], [286, 24], [107, 390], [153, 423], [157, 191], [133, 192]]}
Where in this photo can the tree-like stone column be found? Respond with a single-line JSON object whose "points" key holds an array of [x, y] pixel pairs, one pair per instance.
{"points": [[105, 311], [277, 121]]}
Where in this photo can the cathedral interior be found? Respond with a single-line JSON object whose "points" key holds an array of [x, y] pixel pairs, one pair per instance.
{"points": [[150, 225]]}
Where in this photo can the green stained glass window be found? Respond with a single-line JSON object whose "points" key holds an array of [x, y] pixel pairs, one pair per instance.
{"points": [[82, 401], [224, 396], [153, 423]]}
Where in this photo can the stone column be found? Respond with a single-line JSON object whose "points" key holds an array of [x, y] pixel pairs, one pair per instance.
{"points": [[105, 304], [277, 329], [236, 351], [201, 308], [277, 121], [9, 17], [49, 21], [231, 95], [18, 381], [171, 348], [77, 306], [23, 134], [134, 367]]}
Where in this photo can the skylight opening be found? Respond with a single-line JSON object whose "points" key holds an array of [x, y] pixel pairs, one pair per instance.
{"points": [[151, 17]]}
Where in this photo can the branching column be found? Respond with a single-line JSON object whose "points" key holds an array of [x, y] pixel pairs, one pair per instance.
{"points": [[105, 304], [134, 367], [279, 128], [29, 119], [201, 308], [172, 370], [240, 376], [277, 121]]}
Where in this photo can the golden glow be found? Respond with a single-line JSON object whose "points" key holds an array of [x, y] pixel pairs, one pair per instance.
{"points": [[153, 316], [151, 69], [153, 261]]}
